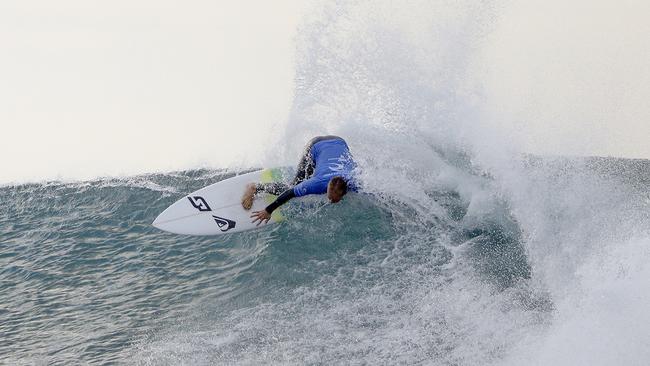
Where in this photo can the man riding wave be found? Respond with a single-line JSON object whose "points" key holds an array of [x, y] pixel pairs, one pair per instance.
{"points": [[326, 166]]}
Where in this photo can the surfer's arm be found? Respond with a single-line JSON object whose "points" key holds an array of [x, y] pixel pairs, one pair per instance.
{"points": [[281, 200], [284, 191], [309, 186], [264, 215]]}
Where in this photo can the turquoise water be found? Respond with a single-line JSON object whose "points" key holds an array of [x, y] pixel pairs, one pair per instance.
{"points": [[86, 279], [85, 275]]}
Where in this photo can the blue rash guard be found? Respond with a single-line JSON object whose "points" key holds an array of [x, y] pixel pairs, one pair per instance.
{"points": [[332, 158]]}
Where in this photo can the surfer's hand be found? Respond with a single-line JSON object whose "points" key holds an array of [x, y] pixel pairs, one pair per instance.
{"points": [[249, 194], [261, 216]]}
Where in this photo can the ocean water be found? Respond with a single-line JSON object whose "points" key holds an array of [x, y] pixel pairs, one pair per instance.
{"points": [[86, 279], [464, 249]]}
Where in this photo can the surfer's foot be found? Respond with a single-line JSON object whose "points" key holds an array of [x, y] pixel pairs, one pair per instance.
{"points": [[249, 195]]}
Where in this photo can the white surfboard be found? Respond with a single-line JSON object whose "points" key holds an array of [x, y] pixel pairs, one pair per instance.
{"points": [[216, 209]]}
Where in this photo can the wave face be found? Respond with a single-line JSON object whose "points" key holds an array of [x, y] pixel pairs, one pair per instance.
{"points": [[459, 275], [461, 250]]}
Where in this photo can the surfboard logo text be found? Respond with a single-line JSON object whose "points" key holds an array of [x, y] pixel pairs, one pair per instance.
{"points": [[199, 203], [224, 224]]}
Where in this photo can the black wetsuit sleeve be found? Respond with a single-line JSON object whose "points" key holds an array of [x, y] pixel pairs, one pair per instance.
{"points": [[282, 199]]}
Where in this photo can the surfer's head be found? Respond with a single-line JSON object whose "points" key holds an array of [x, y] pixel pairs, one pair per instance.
{"points": [[336, 189]]}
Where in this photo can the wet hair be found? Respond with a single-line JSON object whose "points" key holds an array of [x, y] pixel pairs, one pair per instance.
{"points": [[339, 185]]}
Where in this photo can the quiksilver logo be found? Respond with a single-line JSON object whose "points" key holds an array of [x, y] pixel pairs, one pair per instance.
{"points": [[224, 224], [199, 203]]}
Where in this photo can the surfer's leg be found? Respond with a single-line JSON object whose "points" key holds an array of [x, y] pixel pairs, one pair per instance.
{"points": [[306, 165]]}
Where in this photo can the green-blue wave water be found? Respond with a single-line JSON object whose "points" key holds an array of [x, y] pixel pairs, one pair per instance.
{"points": [[85, 278]]}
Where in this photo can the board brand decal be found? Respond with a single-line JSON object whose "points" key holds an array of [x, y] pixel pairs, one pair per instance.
{"points": [[199, 203], [224, 224]]}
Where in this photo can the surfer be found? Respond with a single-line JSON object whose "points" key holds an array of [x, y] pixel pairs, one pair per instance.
{"points": [[326, 166]]}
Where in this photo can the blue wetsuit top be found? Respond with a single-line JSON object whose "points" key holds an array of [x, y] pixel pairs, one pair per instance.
{"points": [[332, 158]]}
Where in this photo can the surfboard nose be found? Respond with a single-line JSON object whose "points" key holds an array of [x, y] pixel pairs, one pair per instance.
{"points": [[156, 222], [164, 217], [161, 222]]}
